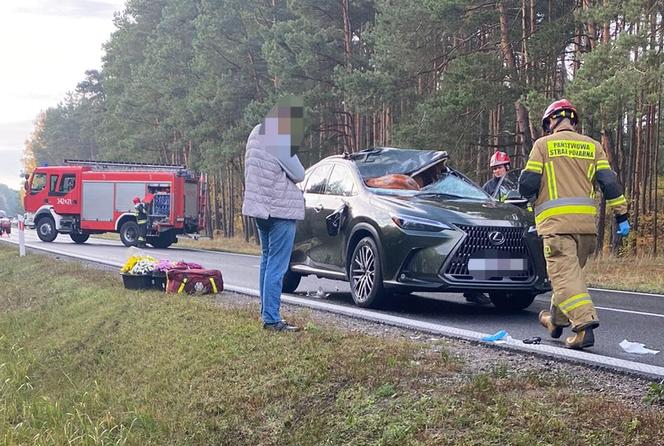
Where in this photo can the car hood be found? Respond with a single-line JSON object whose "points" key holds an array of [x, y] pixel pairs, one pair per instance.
{"points": [[457, 211]]}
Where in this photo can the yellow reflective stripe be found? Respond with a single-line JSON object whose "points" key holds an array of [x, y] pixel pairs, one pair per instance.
{"points": [[591, 178], [534, 166], [551, 180], [214, 285], [575, 301], [548, 180], [181, 288], [570, 300], [603, 165], [577, 305], [617, 201], [563, 210]]}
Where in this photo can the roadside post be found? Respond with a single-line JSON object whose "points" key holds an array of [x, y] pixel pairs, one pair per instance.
{"points": [[21, 236]]}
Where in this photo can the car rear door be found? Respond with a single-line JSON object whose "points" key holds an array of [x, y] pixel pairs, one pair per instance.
{"points": [[338, 195], [311, 232]]}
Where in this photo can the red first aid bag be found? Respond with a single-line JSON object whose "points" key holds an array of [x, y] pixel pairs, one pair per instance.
{"points": [[194, 281]]}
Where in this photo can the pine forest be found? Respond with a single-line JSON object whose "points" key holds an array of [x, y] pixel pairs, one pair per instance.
{"points": [[184, 81]]}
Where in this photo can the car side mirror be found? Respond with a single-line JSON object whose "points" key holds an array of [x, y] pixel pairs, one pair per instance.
{"points": [[26, 186]]}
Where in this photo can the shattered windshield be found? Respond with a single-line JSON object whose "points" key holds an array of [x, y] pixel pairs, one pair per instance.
{"points": [[451, 185], [386, 161]]}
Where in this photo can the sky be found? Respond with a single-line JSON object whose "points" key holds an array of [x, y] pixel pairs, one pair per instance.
{"points": [[45, 48]]}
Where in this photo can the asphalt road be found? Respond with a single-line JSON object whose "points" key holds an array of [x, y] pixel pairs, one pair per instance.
{"points": [[632, 316]]}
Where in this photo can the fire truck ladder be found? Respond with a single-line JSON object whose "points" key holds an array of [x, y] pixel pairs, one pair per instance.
{"points": [[121, 165]]}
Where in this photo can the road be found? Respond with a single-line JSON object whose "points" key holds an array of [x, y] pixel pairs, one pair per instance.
{"points": [[633, 316]]}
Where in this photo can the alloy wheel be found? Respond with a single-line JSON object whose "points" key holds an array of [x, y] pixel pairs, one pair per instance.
{"points": [[364, 272]]}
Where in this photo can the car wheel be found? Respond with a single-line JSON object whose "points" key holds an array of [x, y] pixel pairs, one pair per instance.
{"points": [[366, 279], [79, 237], [129, 233], [46, 229], [291, 282], [512, 300]]}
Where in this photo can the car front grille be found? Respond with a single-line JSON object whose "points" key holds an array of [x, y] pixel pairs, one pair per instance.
{"points": [[477, 241]]}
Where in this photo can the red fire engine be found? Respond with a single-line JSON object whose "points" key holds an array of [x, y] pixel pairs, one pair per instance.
{"points": [[93, 197]]}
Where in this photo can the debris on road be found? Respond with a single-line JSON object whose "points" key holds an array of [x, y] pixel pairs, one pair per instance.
{"points": [[636, 347]]}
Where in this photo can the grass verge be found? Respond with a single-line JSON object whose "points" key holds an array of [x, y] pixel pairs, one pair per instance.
{"points": [[83, 361], [627, 273], [219, 243]]}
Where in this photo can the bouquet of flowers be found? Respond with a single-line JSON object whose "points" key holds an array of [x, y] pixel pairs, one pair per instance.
{"points": [[139, 265]]}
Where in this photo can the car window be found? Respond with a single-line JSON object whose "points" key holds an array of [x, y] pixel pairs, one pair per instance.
{"points": [[68, 182], [452, 184], [53, 181], [38, 182], [341, 182], [318, 179]]}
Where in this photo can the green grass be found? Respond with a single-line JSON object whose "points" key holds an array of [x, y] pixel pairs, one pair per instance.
{"points": [[85, 362]]}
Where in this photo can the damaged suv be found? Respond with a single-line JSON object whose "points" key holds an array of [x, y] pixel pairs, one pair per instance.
{"points": [[401, 220]]}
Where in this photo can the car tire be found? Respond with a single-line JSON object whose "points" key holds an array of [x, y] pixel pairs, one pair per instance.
{"points": [[129, 233], [512, 300], [46, 229], [79, 237], [291, 282], [365, 274]]}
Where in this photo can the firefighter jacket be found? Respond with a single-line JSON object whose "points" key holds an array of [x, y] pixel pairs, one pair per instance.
{"points": [[141, 213], [559, 181]]}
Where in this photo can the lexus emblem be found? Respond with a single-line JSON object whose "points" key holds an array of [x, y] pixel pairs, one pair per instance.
{"points": [[496, 238]]}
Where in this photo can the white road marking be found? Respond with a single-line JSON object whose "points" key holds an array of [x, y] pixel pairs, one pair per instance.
{"points": [[620, 310]]}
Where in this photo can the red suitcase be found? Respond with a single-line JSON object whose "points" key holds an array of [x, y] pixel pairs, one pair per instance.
{"points": [[194, 281]]}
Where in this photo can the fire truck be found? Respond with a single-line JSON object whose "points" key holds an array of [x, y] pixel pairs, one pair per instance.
{"points": [[84, 197]]}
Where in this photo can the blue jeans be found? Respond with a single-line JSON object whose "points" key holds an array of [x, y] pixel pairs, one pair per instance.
{"points": [[277, 236]]}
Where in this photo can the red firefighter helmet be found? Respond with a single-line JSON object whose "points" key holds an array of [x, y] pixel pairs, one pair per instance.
{"points": [[499, 159], [562, 108], [137, 200]]}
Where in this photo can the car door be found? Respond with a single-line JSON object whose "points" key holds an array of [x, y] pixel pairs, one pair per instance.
{"points": [[66, 195], [338, 195], [311, 232]]}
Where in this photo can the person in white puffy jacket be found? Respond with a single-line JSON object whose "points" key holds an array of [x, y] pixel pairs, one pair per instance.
{"points": [[272, 169]]}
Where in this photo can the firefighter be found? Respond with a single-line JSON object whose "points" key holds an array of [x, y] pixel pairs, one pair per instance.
{"points": [[141, 213], [559, 180], [500, 165]]}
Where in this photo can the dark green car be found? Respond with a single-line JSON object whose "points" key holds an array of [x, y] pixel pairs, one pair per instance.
{"points": [[426, 227]]}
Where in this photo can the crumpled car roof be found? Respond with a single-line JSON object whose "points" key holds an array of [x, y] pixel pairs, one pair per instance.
{"points": [[381, 161]]}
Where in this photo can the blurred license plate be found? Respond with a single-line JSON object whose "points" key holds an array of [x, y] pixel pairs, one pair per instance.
{"points": [[496, 264]]}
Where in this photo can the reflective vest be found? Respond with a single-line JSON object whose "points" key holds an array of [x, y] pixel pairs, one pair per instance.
{"points": [[568, 163], [141, 213]]}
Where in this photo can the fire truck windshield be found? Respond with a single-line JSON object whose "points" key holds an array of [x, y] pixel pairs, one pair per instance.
{"points": [[38, 182]]}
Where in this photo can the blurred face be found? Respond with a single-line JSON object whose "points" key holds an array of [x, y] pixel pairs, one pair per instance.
{"points": [[285, 125], [499, 171]]}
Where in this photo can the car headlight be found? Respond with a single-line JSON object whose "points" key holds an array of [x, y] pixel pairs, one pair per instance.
{"points": [[410, 223]]}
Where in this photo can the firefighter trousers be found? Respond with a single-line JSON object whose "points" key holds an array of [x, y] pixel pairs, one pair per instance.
{"points": [[566, 255], [142, 231]]}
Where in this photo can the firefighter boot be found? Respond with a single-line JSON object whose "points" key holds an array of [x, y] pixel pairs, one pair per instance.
{"points": [[584, 336], [545, 320]]}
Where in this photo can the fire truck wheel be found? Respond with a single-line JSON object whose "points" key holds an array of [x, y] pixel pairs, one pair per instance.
{"points": [[79, 237], [129, 233], [46, 229]]}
